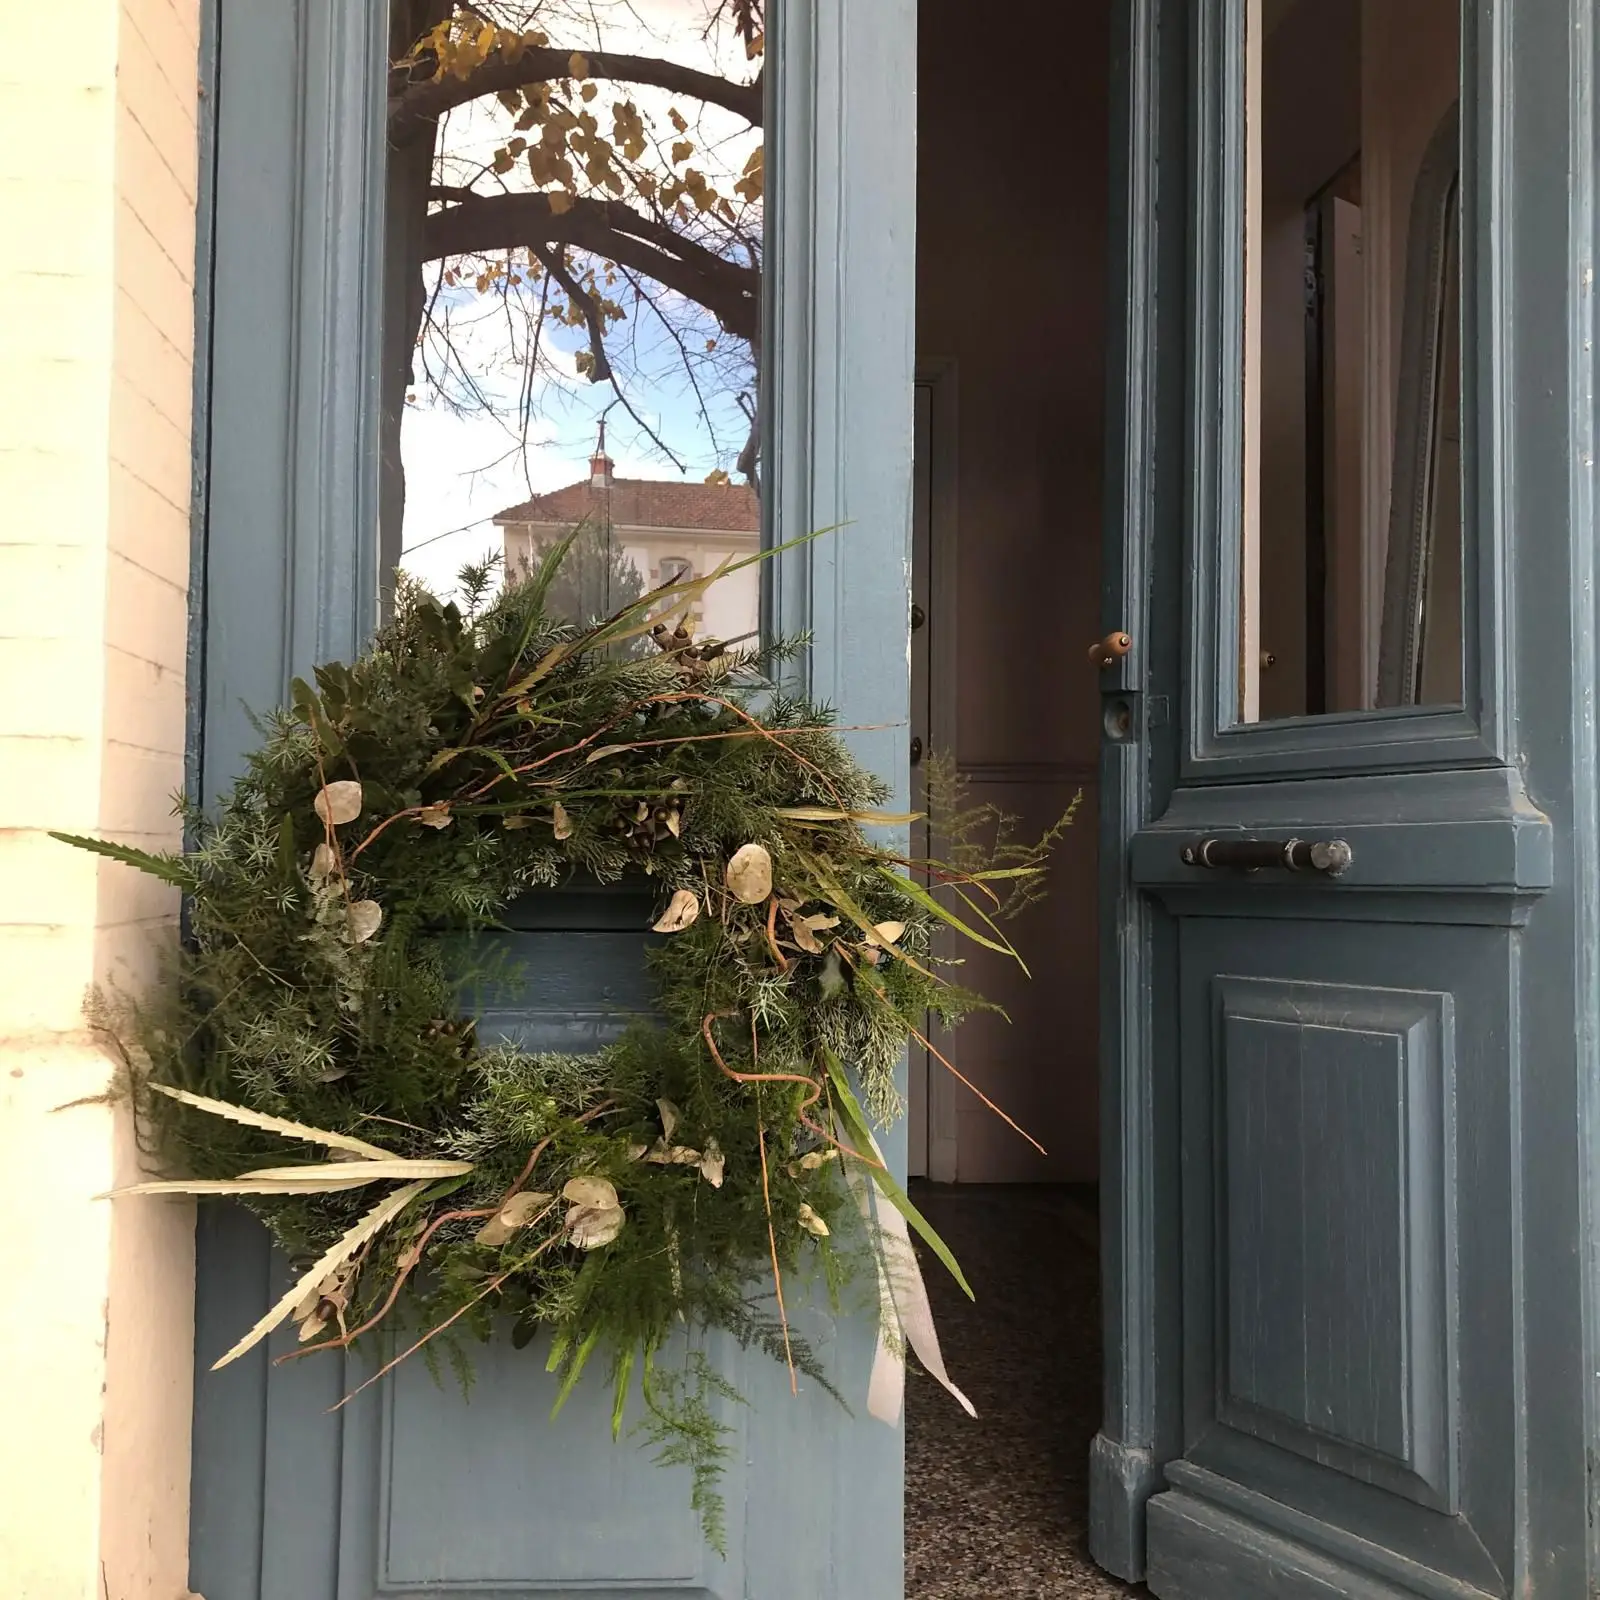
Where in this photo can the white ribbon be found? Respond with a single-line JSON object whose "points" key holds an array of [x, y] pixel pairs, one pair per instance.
{"points": [[902, 1303]]}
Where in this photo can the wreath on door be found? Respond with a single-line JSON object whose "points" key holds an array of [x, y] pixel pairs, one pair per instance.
{"points": [[311, 1047]]}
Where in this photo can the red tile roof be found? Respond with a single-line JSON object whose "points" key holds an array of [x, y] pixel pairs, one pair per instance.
{"points": [[645, 503]]}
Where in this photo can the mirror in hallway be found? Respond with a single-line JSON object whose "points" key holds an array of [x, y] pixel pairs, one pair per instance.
{"points": [[1351, 508]]}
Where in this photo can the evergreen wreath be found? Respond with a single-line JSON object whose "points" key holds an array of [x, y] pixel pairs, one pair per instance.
{"points": [[474, 754]]}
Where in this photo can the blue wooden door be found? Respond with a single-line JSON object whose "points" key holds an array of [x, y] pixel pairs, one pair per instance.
{"points": [[1349, 836], [417, 1488]]}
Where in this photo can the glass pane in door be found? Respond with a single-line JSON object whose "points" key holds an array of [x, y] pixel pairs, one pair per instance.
{"points": [[575, 236], [1351, 572]]}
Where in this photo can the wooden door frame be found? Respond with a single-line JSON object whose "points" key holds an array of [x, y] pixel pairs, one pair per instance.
{"points": [[936, 1108], [1529, 112], [1141, 594]]}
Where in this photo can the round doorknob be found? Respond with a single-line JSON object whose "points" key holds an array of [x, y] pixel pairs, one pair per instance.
{"points": [[1107, 652]]}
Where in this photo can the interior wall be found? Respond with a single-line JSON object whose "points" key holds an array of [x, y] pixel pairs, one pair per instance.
{"points": [[1011, 292]]}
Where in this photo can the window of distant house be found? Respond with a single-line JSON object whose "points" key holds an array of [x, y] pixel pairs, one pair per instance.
{"points": [[674, 569], [576, 233]]}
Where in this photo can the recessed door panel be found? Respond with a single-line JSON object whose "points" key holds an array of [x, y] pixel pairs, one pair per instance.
{"points": [[1335, 1076], [1333, 1204]]}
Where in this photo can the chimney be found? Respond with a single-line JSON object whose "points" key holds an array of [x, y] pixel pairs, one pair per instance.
{"points": [[600, 464]]}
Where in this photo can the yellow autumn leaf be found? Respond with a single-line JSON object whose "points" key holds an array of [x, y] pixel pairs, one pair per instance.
{"points": [[578, 66]]}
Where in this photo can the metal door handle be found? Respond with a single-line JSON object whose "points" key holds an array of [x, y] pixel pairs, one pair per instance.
{"points": [[1328, 856], [1107, 652]]}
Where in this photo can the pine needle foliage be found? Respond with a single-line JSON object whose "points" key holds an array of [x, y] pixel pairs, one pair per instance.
{"points": [[339, 901]]}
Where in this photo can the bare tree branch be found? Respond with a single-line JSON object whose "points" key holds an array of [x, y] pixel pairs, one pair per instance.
{"points": [[415, 108], [648, 301], [482, 224], [555, 263]]}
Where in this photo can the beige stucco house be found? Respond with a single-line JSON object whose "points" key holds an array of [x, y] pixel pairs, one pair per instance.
{"points": [[667, 530]]}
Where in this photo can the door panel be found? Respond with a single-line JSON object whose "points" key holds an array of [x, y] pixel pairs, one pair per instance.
{"points": [[412, 1488], [1336, 1075], [463, 1530], [416, 1486], [1347, 1297], [1330, 1154]]}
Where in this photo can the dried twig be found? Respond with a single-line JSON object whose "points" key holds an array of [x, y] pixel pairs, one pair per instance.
{"points": [[772, 1241]]}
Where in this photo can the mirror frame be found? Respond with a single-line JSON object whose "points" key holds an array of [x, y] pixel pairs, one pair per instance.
{"points": [[1432, 253]]}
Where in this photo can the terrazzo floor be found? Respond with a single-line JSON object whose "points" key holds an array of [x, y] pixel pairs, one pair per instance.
{"points": [[997, 1508]]}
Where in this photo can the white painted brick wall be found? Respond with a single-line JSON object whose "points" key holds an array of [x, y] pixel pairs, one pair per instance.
{"points": [[98, 177]]}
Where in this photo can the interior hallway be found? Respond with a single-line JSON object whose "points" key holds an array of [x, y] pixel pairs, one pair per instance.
{"points": [[997, 1509]]}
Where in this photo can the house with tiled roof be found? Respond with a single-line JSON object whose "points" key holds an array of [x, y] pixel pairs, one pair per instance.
{"points": [[667, 529]]}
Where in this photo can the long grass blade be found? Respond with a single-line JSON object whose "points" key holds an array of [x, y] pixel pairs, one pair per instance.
{"points": [[855, 1120], [205, 1186], [878, 819], [909, 886], [280, 1125], [375, 1221], [168, 868], [348, 1174], [569, 1379]]}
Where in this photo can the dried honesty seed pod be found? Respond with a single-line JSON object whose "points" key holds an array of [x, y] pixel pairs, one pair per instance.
{"points": [[362, 920], [671, 1116], [682, 909], [435, 816], [812, 1223], [678, 1155], [749, 874], [338, 803], [560, 821], [805, 930], [712, 1164], [516, 1213], [590, 1192], [323, 861], [595, 1216]]}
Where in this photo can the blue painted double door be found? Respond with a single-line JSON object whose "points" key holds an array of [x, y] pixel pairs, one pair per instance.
{"points": [[1349, 910]]}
